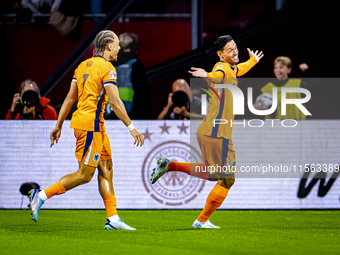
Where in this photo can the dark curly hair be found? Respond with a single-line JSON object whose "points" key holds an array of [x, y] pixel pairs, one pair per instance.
{"points": [[221, 42]]}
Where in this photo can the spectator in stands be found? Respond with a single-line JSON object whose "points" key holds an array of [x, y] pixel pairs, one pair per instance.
{"points": [[182, 103], [29, 105], [38, 7], [282, 69], [132, 82], [66, 18]]}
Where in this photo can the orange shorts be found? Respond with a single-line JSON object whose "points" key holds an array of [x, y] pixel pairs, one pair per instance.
{"points": [[92, 147], [217, 153]]}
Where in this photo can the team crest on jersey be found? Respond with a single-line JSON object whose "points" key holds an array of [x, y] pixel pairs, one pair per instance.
{"points": [[219, 67], [96, 157], [113, 75]]}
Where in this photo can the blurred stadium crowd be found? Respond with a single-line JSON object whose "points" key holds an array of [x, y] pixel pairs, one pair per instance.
{"points": [[151, 35]]}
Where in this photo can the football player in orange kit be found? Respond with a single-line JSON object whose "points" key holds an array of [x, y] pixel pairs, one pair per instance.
{"points": [[93, 83], [214, 140]]}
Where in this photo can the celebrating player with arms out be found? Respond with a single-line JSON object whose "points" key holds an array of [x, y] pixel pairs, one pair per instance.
{"points": [[93, 83], [215, 141]]}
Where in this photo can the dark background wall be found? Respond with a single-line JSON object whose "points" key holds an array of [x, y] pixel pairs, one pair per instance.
{"points": [[35, 50]]}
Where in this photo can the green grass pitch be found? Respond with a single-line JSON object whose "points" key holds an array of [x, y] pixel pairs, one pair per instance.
{"points": [[169, 232]]}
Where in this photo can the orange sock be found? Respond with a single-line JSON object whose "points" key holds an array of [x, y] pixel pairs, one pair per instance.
{"points": [[194, 169], [214, 200], [110, 205], [55, 189]]}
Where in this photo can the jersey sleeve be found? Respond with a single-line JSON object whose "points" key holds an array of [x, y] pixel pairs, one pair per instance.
{"points": [[75, 76], [109, 75], [216, 75], [244, 67]]}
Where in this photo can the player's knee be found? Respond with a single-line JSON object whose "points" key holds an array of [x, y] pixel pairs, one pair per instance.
{"points": [[105, 170], [88, 177], [227, 182], [85, 177], [230, 182], [108, 174]]}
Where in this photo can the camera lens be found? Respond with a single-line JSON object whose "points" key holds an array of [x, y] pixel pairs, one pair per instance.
{"points": [[29, 98]]}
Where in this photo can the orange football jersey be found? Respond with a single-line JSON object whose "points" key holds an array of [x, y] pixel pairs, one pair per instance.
{"points": [[223, 73], [91, 76]]}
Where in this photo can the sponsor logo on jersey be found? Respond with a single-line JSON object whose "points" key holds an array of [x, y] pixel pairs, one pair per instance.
{"points": [[219, 67]]}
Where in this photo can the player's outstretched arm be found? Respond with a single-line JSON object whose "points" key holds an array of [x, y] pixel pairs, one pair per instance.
{"points": [[213, 77], [64, 111], [254, 58], [198, 72], [119, 109]]}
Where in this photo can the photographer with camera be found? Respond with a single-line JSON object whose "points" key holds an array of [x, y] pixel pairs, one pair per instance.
{"points": [[182, 103], [179, 97], [27, 104]]}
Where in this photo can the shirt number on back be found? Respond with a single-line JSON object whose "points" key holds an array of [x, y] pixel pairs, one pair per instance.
{"points": [[85, 76]]}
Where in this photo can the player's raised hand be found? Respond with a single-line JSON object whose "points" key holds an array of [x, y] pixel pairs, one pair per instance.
{"points": [[139, 140], [55, 135], [256, 54], [198, 72]]}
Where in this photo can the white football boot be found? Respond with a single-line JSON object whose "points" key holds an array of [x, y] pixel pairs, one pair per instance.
{"points": [[206, 224], [119, 224]]}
